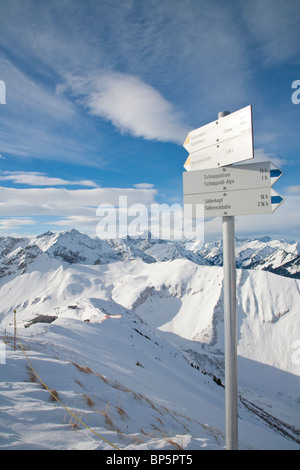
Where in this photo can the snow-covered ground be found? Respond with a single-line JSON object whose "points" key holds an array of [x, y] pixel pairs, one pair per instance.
{"points": [[136, 353]]}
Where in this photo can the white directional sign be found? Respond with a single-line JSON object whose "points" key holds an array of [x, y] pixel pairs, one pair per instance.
{"points": [[242, 202], [231, 178], [222, 142], [233, 190], [228, 127]]}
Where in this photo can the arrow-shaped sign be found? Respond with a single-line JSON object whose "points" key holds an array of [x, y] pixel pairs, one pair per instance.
{"points": [[234, 203], [224, 153], [233, 190], [276, 200], [223, 142], [226, 128], [275, 173], [231, 178]]}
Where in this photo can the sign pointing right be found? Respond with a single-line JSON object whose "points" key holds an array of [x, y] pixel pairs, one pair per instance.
{"points": [[276, 200], [233, 190]]}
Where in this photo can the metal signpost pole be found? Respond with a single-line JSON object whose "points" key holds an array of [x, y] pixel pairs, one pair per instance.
{"points": [[230, 329], [15, 328], [227, 191]]}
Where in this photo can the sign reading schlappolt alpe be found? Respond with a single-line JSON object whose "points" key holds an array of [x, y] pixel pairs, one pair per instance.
{"points": [[233, 190]]}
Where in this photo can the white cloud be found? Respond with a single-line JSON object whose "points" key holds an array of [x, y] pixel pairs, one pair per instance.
{"points": [[283, 222], [131, 105], [64, 207], [12, 226], [260, 155], [40, 179], [62, 202], [12, 223], [143, 186], [293, 189]]}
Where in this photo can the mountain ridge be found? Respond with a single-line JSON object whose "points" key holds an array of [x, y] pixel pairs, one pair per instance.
{"points": [[275, 255]]}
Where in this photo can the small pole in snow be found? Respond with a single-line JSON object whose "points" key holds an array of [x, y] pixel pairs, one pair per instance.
{"points": [[230, 328], [15, 329]]}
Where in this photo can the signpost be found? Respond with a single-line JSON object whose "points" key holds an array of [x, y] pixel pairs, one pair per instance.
{"points": [[227, 191], [222, 142], [233, 190], [231, 178], [243, 202]]}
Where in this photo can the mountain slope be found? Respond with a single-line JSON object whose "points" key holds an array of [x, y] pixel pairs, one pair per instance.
{"points": [[121, 349]]}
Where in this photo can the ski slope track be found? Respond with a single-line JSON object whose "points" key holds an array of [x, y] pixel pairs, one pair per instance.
{"points": [[128, 335]]}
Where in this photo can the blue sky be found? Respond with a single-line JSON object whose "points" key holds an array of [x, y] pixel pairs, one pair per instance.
{"points": [[100, 95]]}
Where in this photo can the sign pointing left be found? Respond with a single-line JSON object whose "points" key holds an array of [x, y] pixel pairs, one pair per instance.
{"points": [[229, 127], [222, 142]]}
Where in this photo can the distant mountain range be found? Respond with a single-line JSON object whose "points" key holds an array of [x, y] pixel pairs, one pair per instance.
{"points": [[278, 256]]}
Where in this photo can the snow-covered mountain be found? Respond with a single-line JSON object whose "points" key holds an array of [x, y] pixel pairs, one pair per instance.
{"points": [[277, 256], [135, 347]]}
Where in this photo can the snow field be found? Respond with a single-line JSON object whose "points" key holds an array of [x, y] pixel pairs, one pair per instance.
{"points": [[120, 352]]}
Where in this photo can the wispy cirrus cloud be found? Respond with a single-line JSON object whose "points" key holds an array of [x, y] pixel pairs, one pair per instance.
{"points": [[275, 27], [39, 122]]}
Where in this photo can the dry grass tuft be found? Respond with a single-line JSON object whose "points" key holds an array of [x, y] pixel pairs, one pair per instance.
{"points": [[78, 383], [88, 400], [84, 369], [122, 413], [32, 376], [108, 421], [53, 395], [175, 444]]}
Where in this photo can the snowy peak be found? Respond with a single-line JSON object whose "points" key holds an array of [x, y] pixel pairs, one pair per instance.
{"points": [[282, 263], [277, 256], [73, 247]]}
